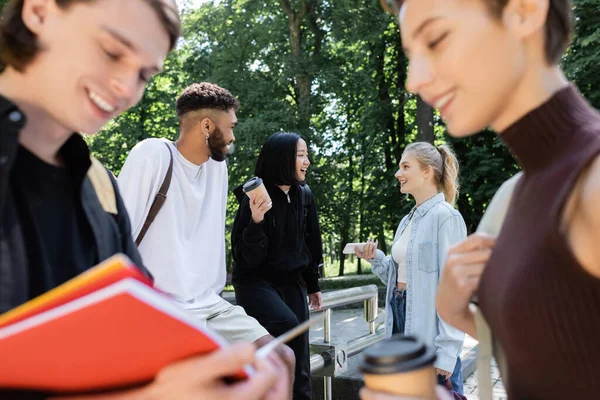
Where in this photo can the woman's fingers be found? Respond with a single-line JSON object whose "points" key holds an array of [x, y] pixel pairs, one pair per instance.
{"points": [[358, 253], [369, 249], [262, 205], [474, 242], [474, 257]]}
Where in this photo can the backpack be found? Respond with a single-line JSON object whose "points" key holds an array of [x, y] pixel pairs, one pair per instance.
{"points": [[101, 179]]}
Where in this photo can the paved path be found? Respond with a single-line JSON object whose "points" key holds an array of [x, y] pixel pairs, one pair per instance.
{"points": [[471, 391], [349, 323]]}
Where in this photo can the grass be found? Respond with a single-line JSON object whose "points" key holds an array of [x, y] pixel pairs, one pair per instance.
{"points": [[350, 278], [332, 268]]}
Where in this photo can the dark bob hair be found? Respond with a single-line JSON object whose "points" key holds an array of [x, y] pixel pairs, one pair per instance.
{"points": [[276, 163]]}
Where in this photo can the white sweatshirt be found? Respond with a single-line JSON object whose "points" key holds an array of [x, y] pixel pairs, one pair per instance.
{"points": [[184, 248]]}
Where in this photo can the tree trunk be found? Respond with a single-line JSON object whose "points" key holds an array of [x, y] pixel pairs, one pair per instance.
{"points": [[303, 79], [344, 236], [424, 122], [348, 207], [361, 206], [303, 83], [381, 239], [400, 83], [386, 109]]}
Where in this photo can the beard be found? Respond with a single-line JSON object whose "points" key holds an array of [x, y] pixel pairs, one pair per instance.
{"points": [[217, 146]]}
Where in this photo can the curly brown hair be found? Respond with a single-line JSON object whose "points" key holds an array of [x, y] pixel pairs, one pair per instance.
{"points": [[205, 95], [19, 46], [559, 23]]}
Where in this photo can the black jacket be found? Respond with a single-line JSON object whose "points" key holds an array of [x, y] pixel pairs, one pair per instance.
{"points": [[112, 234], [285, 247]]}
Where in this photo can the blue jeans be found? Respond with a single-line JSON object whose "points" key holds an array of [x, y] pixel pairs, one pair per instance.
{"points": [[398, 306]]}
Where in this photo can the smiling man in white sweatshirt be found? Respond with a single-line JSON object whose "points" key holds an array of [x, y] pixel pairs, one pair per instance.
{"points": [[184, 247]]}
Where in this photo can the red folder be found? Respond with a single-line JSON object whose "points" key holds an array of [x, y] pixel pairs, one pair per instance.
{"points": [[119, 335]]}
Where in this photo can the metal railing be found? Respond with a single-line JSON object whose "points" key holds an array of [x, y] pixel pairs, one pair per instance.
{"points": [[331, 359]]}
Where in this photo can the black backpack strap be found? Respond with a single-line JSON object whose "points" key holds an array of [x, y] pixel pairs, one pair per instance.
{"points": [[306, 198], [239, 193], [159, 200]]}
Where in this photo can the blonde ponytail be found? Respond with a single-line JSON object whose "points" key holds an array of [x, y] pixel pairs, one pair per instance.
{"points": [[449, 177], [444, 163]]}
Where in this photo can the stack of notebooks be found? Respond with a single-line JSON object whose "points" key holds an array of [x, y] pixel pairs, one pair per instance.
{"points": [[106, 328]]}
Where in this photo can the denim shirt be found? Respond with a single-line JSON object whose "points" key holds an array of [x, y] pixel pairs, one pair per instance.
{"points": [[436, 227]]}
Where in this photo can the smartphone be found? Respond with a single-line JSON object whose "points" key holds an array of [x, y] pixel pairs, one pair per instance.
{"points": [[349, 248]]}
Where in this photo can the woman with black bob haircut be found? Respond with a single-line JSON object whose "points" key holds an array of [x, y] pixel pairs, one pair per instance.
{"points": [[277, 248]]}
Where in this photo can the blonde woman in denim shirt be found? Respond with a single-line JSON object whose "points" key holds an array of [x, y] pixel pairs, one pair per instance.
{"points": [[412, 272]]}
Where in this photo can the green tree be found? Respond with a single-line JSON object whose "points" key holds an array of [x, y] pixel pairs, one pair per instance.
{"points": [[583, 57], [335, 72]]}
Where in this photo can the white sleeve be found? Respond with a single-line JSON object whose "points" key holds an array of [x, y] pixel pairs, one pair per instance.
{"points": [[140, 179], [492, 219], [225, 201]]}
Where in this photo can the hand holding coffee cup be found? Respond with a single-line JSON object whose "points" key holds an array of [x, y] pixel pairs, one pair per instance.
{"points": [[260, 201], [369, 252]]}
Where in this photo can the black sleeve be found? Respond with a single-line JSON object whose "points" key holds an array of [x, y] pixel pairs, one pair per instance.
{"points": [[315, 247], [249, 241], [9, 144], [127, 244]]}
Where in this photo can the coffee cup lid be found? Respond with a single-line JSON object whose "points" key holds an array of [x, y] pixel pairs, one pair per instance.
{"points": [[252, 184], [395, 355]]}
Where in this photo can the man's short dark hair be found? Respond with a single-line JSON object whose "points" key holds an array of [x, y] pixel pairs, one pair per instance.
{"points": [[559, 25], [19, 46], [276, 163], [204, 95]]}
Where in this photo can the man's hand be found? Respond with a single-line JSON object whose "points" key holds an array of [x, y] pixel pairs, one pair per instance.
{"points": [[315, 301], [283, 387], [202, 377], [259, 205], [282, 353], [460, 279]]}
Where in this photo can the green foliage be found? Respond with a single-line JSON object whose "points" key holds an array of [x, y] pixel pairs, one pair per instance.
{"points": [[360, 117], [583, 57], [485, 164]]}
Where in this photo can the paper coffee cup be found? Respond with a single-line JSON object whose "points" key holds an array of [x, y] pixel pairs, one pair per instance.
{"points": [[255, 188], [401, 365]]}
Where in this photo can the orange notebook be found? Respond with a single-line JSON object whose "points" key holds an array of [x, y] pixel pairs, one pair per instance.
{"points": [[110, 271], [115, 336]]}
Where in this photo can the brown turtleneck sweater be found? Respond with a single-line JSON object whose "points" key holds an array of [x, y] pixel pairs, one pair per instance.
{"points": [[541, 305]]}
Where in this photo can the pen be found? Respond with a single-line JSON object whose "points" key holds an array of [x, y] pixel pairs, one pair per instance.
{"points": [[289, 335]]}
